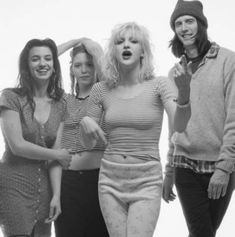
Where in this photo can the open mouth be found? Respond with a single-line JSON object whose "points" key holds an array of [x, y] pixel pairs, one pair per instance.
{"points": [[126, 54]]}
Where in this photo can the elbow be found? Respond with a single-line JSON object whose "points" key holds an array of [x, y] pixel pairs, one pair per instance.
{"points": [[17, 148]]}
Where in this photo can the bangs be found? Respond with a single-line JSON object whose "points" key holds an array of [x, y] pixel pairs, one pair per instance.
{"points": [[132, 29]]}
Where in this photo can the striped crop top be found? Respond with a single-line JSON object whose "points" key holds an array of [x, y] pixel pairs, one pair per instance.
{"points": [[132, 125], [71, 138]]}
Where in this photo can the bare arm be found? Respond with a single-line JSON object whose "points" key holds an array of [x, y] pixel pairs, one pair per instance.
{"points": [[182, 111], [62, 48], [11, 127], [55, 172]]}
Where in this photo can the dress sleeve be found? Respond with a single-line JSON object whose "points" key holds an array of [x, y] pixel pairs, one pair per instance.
{"points": [[95, 104], [9, 100]]}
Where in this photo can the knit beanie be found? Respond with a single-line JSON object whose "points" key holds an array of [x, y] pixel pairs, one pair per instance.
{"points": [[191, 7]]}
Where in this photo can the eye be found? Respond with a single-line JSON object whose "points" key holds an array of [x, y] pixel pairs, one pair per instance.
{"points": [[77, 65], [119, 41], [178, 24], [134, 41], [48, 58], [34, 59], [90, 65]]}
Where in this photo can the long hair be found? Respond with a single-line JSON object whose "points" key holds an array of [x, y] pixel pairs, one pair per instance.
{"points": [[25, 81], [111, 68], [201, 42], [81, 48]]}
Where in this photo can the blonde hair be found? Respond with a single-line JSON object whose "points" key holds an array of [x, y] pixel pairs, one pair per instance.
{"points": [[111, 67]]}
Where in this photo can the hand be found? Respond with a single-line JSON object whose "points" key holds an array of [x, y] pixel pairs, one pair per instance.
{"points": [[55, 209], [64, 158], [92, 47], [168, 194], [183, 74], [218, 184], [92, 130]]}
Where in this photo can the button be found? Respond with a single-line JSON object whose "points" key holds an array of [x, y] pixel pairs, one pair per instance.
{"points": [[124, 156]]}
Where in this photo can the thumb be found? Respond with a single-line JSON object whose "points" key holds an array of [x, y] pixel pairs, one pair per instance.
{"points": [[101, 134]]}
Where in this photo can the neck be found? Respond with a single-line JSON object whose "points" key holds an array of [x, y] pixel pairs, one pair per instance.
{"points": [[84, 91], [192, 52], [40, 91], [130, 76]]}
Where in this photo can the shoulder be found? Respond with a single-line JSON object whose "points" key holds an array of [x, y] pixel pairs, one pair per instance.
{"points": [[100, 87], [221, 53], [9, 92]]}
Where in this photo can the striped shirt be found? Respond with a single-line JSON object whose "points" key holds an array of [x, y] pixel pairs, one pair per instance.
{"points": [[133, 125], [71, 138]]}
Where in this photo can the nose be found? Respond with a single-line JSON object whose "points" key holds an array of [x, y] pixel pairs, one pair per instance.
{"points": [[126, 44], [84, 69], [42, 62], [184, 27]]}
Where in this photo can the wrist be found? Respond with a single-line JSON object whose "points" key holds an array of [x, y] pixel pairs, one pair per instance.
{"points": [[182, 104]]}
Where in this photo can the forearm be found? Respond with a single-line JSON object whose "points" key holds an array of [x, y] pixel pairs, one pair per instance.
{"points": [[34, 152], [66, 46], [181, 118], [182, 110], [55, 172]]}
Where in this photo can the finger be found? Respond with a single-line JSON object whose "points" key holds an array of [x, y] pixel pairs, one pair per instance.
{"points": [[179, 68], [224, 190], [209, 191], [189, 68], [183, 61], [218, 192], [101, 135], [57, 213], [51, 213]]}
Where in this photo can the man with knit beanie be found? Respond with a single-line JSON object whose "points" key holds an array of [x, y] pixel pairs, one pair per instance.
{"points": [[203, 156]]}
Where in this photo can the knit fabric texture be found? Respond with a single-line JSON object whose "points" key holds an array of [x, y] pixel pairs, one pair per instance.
{"points": [[192, 8]]}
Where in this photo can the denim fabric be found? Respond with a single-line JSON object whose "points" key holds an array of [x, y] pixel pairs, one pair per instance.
{"points": [[203, 215]]}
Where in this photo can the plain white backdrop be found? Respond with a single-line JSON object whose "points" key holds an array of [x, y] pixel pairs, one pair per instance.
{"points": [[62, 20]]}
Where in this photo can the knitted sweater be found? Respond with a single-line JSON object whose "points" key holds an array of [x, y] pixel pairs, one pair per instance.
{"points": [[210, 134]]}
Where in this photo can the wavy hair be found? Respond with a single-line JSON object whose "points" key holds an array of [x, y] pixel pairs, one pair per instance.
{"points": [[25, 85], [111, 67]]}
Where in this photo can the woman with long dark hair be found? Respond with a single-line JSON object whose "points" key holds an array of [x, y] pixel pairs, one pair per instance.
{"points": [[32, 116]]}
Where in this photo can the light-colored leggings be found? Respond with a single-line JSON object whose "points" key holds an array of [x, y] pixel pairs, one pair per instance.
{"points": [[130, 197]]}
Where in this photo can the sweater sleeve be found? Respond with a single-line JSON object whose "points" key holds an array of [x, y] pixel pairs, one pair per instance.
{"points": [[226, 159]]}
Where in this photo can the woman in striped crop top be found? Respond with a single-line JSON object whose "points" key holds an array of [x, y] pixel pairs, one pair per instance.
{"points": [[132, 102], [81, 215]]}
